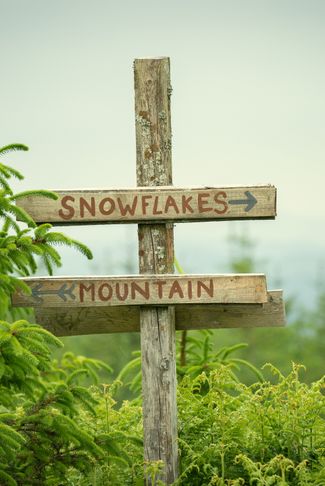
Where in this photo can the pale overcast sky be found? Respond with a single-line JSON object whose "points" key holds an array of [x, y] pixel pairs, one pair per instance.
{"points": [[248, 107]]}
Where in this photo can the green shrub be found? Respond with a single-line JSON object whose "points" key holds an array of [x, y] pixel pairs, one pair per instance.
{"points": [[262, 434]]}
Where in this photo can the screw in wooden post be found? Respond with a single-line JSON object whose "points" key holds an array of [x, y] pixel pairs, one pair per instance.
{"points": [[156, 255]]}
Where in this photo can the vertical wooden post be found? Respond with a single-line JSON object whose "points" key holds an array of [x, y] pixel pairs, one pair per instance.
{"points": [[156, 255]]}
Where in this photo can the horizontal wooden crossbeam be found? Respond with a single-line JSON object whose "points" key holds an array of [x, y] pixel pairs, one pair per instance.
{"points": [[142, 290], [159, 204], [101, 320]]}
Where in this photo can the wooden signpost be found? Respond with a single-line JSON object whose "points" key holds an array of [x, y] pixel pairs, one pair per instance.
{"points": [[156, 302], [76, 321], [144, 290], [157, 204]]}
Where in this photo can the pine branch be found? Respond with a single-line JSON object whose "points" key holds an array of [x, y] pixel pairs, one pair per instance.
{"points": [[13, 147], [40, 193]]}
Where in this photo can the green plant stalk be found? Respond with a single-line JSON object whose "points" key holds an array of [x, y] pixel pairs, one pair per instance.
{"points": [[222, 456]]}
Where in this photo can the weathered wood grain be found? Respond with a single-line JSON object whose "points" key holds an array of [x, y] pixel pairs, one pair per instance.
{"points": [[142, 290], [101, 320], [145, 204], [156, 256]]}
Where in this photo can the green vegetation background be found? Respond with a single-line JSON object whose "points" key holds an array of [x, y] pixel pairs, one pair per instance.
{"points": [[66, 421], [302, 340]]}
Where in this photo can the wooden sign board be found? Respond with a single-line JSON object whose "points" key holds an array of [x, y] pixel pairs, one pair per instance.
{"points": [[143, 290], [78, 321], [145, 204]]}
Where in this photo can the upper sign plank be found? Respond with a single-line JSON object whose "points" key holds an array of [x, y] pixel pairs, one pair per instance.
{"points": [[143, 290], [153, 204]]}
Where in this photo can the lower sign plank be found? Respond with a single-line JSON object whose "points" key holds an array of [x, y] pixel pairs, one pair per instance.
{"points": [[143, 290], [155, 204], [101, 320]]}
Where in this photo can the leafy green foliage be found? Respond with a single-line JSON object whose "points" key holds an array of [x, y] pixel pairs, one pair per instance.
{"points": [[20, 247], [59, 426], [229, 433], [40, 401], [197, 355], [262, 434], [40, 408]]}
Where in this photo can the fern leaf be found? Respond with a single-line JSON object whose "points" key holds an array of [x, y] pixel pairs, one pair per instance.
{"points": [[4, 184], [131, 365], [55, 238], [83, 249], [9, 433], [13, 147], [46, 335], [250, 366], [12, 172], [21, 215], [76, 375], [41, 230], [178, 266], [234, 348], [6, 479], [36, 192], [10, 223]]}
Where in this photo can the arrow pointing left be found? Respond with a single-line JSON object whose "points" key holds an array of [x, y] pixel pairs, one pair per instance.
{"points": [[63, 292]]}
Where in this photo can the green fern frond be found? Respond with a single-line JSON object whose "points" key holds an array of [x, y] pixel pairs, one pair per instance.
{"points": [[17, 284], [41, 230], [178, 266], [36, 192], [26, 362], [76, 375], [232, 349], [83, 393], [250, 366], [136, 382], [25, 242], [130, 366], [70, 429], [55, 238], [2, 369], [47, 336], [21, 215], [4, 184], [11, 172], [6, 397], [13, 147], [16, 347], [86, 401], [10, 223], [274, 370], [83, 249], [5, 336], [7, 479], [50, 257], [48, 264], [109, 441], [4, 325]]}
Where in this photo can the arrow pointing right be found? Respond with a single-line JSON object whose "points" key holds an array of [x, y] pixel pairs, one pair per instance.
{"points": [[250, 201]]}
